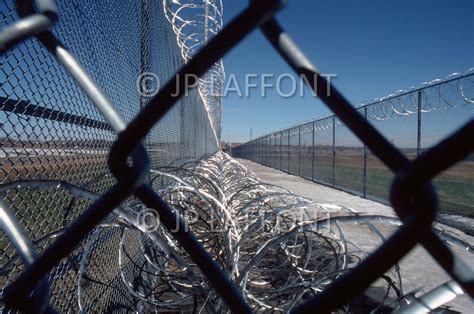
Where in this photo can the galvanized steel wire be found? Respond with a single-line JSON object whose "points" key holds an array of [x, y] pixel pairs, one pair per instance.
{"points": [[179, 265]]}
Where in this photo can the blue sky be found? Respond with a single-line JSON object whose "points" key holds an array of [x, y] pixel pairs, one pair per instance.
{"points": [[374, 47]]}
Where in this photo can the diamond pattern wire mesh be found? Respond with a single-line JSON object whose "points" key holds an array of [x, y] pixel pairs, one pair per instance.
{"points": [[50, 130], [413, 120], [34, 113]]}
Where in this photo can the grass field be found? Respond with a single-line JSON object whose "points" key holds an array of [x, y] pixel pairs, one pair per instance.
{"points": [[455, 186]]}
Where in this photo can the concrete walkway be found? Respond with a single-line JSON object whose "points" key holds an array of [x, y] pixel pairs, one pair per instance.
{"points": [[316, 192], [418, 268]]}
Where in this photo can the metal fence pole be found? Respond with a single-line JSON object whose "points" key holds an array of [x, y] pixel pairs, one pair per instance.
{"points": [[255, 150], [418, 126], [364, 192], [299, 150], [269, 150], [313, 148], [269, 154], [270, 157], [275, 161], [272, 150], [334, 150], [281, 148], [265, 150], [259, 153], [289, 151]]}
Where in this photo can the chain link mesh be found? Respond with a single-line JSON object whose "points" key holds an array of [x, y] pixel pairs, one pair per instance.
{"points": [[51, 131], [412, 120], [88, 226]]}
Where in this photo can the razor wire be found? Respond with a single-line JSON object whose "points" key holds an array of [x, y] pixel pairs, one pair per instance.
{"points": [[50, 130], [325, 150], [455, 90], [223, 270], [280, 247], [195, 23]]}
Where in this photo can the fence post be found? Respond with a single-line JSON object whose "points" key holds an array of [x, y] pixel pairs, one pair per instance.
{"points": [[265, 147], [333, 150], [264, 150], [272, 141], [269, 154], [259, 155], [281, 150], [255, 151], [418, 124], [271, 151], [313, 149], [299, 150], [364, 192], [289, 152], [275, 154], [258, 151]]}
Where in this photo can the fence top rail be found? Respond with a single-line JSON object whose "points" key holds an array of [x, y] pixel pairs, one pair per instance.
{"points": [[456, 76]]}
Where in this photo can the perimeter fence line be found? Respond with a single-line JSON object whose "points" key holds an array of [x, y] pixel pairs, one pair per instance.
{"points": [[51, 130], [327, 152], [112, 211]]}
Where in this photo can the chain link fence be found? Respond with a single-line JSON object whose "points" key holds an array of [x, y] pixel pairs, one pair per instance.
{"points": [[50, 130], [327, 151], [76, 170]]}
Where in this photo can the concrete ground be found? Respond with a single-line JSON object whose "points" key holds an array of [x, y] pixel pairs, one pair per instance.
{"points": [[418, 268]]}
